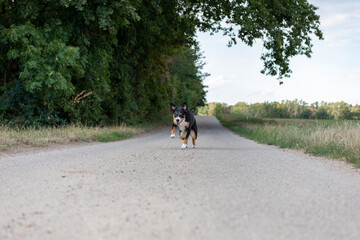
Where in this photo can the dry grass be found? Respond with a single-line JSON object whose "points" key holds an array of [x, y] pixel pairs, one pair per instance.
{"points": [[330, 138], [36, 137]]}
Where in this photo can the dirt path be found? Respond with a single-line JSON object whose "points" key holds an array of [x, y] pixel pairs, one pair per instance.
{"points": [[148, 188]]}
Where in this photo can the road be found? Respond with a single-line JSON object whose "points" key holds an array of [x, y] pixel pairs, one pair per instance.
{"points": [[148, 188]]}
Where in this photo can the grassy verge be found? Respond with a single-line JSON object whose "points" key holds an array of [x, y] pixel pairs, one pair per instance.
{"points": [[39, 137], [328, 138]]}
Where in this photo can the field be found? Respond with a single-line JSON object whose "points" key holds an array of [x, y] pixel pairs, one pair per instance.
{"points": [[44, 136], [39, 137], [329, 138]]}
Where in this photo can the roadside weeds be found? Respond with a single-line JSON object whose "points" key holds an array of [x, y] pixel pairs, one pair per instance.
{"points": [[326, 138], [14, 138]]}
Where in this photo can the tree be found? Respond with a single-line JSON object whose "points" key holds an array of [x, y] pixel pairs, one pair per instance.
{"points": [[284, 26], [340, 110], [104, 61], [355, 112], [186, 76], [322, 113], [306, 113], [240, 108]]}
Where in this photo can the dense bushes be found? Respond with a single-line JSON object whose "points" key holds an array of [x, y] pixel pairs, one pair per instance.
{"points": [[94, 62]]}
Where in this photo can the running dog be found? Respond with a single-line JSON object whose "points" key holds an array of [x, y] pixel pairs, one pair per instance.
{"points": [[184, 119]]}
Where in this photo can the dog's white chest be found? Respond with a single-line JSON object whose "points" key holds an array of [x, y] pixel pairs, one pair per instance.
{"points": [[182, 125]]}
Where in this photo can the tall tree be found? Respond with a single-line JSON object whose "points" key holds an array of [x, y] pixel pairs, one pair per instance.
{"points": [[105, 61], [285, 27]]}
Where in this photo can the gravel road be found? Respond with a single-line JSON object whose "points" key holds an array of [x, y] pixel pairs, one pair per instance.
{"points": [[148, 188]]}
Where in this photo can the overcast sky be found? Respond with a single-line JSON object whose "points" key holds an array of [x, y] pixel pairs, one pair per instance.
{"points": [[331, 74]]}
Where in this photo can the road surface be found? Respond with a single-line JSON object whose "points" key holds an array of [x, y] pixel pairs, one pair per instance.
{"points": [[148, 188]]}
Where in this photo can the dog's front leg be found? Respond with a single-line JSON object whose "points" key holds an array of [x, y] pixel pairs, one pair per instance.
{"points": [[184, 145], [181, 135], [172, 135], [185, 135]]}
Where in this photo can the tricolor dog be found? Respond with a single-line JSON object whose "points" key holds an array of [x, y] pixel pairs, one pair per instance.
{"points": [[184, 119]]}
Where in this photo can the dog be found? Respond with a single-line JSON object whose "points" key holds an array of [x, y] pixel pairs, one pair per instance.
{"points": [[184, 119]]}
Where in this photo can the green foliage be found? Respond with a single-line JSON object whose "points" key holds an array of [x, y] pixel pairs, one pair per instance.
{"points": [[322, 113], [104, 62], [111, 136], [285, 28], [213, 109], [186, 78], [287, 109], [306, 113]]}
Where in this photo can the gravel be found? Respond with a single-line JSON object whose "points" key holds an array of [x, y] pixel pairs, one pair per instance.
{"points": [[148, 188]]}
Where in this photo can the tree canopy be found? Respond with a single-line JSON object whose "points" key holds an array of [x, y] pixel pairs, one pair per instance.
{"points": [[105, 61], [284, 26]]}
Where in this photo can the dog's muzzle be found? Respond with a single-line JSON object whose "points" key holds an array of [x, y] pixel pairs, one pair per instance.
{"points": [[178, 121]]}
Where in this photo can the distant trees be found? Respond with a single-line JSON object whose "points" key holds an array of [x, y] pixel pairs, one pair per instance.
{"points": [[186, 76], [288, 109]]}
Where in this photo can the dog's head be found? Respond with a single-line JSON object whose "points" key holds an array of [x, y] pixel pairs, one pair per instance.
{"points": [[179, 113]]}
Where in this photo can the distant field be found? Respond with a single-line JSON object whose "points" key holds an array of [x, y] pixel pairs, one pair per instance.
{"points": [[329, 138]]}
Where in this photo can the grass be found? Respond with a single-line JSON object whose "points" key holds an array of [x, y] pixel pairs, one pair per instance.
{"points": [[329, 138], [111, 136], [44, 136]]}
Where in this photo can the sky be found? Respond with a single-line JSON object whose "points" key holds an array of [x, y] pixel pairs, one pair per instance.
{"points": [[332, 74]]}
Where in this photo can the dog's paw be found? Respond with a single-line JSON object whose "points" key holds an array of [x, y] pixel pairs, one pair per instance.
{"points": [[193, 146], [172, 136], [184, 146]]}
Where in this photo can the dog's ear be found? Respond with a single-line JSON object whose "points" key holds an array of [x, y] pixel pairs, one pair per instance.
{"points": [[185, 106], [172, 107]]}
